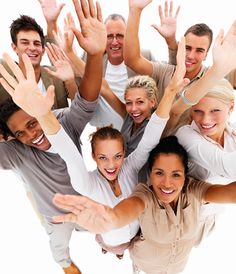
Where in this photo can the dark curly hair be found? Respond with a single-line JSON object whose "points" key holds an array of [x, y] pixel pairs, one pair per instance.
{"points": [[25, 23], [7, 108]]}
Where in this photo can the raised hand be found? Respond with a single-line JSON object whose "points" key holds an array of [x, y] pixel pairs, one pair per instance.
{"points": [[167, 28], [62, 65], [178, 82], [224, 50], [139, 4], [92, 37], [93, 216], [51, 10], [24, 89]]}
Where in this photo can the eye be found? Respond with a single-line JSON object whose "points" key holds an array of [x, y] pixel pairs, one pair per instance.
{"points": [[19, 134], [119, 36], [128, 103], [140, 102], [103, 158], [176, 175], [37, 44], [197, 111], [118, 157], [215, 110], [159, 173], [32, 124]]}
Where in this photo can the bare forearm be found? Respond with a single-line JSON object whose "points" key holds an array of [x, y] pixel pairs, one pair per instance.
{"points": [[92, 80], [127, 211], [71, 88], [77, 62], [112, 99], [49, 123], [131, 45], [164, 107]]}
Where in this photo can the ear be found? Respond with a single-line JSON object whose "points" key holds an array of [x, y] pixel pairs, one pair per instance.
{"points": [[231, 107], [14, 47], [153, 102], [93, 156], [43, 51]]}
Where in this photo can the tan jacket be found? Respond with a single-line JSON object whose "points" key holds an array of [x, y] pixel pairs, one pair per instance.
{"points": [[60, 90]]}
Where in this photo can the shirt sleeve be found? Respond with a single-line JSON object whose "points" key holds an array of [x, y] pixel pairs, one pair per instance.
{"points": [[197, 188], [150, 139], [67, 150], [143, 192], [206, 154]]}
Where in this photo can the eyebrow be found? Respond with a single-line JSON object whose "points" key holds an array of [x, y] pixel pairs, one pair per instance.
{"points": [[177, 170], [196, 48]]}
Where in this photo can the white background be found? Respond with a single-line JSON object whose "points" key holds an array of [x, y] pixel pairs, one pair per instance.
{"points": [[23, 243]]}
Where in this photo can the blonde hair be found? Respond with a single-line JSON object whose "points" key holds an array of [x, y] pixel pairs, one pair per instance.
{"points": [[143, 81], [222, 91]]}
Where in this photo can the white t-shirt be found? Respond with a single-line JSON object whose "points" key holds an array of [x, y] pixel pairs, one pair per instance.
{"points": [[116, 76], [42, 87]]}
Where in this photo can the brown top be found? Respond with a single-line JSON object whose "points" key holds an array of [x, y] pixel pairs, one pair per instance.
{"points": [[167, 237]]}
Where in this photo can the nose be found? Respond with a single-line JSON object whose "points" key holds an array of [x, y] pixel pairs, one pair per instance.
{"points": [[206, 118], [167, 182], [31, 134], [111, 163], [133, 107], [190, 54], [31, 46]]}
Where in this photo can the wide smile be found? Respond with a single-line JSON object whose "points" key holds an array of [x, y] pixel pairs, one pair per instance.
{"points": [[111, 172], [207, 127], [167, 192], [39, 140]]}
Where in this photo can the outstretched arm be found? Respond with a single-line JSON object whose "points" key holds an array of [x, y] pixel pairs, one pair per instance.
{"points": [[167, 28], [92, 38], [51, 12], [221, 193], [132, 54], [96, 217]]}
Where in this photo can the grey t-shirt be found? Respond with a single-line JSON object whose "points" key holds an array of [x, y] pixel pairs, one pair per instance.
{"points": [[46, 172]]}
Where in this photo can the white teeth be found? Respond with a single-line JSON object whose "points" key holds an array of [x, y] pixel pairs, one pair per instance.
{"points": [[207, 126], [111, 170], [136, 115], [167, 191], [39, 140]]}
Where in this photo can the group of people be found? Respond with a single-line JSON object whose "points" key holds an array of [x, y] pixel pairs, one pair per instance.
{"points": [[163, 133]]}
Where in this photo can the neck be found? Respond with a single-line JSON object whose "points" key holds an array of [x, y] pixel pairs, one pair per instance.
{"points": [[192, 74], [36, 71]]}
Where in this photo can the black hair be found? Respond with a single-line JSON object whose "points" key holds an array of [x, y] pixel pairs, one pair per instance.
{"points": [[25, 23], [7, 108], [169, 145]]}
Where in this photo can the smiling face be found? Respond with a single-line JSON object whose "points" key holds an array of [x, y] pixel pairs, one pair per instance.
{"points": [[138, 105], [29, 42], [109, 157], [211, 115], [27, 130], [196, 52], [115, 39], [167, 177]]}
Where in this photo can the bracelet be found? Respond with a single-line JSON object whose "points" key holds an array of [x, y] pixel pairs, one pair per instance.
{"points": [[185, 100]]}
